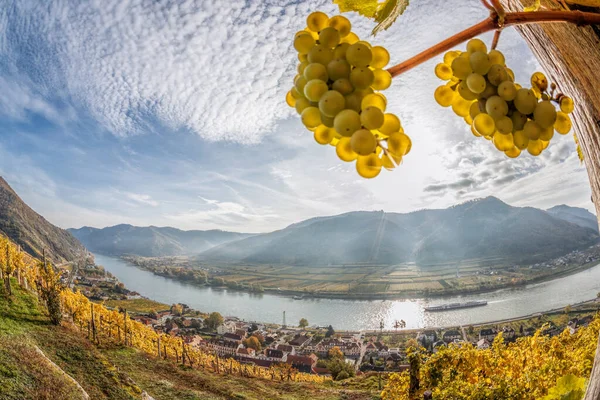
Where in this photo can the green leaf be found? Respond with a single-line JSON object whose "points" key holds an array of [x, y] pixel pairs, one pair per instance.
{"points": [[388, 13], [568, 387]]}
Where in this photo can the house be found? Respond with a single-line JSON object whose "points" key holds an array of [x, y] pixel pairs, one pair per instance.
{"points": [[451, 335], [488, 333], [483, 344], [241, 333], [223, 347], [429, 336], [371, 348], [299, 340], [274, 353], [303, 363], [233, 337], [286, 348], [508, 333], [226, 327], [320, 371], [245, 351]]}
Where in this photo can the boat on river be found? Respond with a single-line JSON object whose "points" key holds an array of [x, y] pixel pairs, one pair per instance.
{"points": [[298, 297], [454, 306]]}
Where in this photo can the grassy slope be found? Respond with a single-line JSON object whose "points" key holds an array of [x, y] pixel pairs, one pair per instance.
{"points": [[115, 372]]}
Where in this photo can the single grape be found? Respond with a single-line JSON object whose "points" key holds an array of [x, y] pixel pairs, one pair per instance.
{"points": [[496, 107], [326, 120], [373, 100], [566, 105], [300, 83], [314, 89], [353, 101], [463, 90], [296, 94], [474, 45], [338, 69], [521, 140], [507, 90], [399, 144], [301, 67], [301, 104], [544, 114], [525, 101], [532, 130], [444, 96], [329, 37], [362, 77], [503, 142], [381, 57], [450, 56], [480, 62], [315, 71], [344, 151], [443, 71], [496, 57], [476, 82], [484, 124], [368, 166], [363, 142], [304, 42], [343, 86], [371, 118], [535, 147], [497, 74], [563, 123], [350, 38], [382, 79], [504, 125], [324, 135], [320, 54], [342, 24], [513, 153], [461, 67], [539, 81], [511, 74], [461, 106], [547, 134], [468, 120], [339, 53], [317, 21], [347, 122], [391, 124], [474, 132], [475, 109], [289, 99], [331, 103], [366, 44], [518, 120], [311, 117], [359, 55]]}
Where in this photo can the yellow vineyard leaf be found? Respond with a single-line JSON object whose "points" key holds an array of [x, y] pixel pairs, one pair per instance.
{"points": [[534, 7], [367, 8], [384, 13]]}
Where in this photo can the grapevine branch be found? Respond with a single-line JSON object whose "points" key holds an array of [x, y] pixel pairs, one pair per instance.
{"points": [[493, 23]]}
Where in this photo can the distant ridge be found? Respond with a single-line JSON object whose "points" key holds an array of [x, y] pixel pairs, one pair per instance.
{"points": [[579, 216], [32, 232]]}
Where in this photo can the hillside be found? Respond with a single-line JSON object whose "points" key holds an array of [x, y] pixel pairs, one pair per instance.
{"points": [[477, 229], [151, 241], [33, 232], [579, 216]]}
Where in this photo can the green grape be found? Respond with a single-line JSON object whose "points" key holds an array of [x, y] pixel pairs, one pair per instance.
{"points": [[371, 118], [317, 21], [351, 38], [368, 166], [303, 43], [363, 142], [513, 153], [353, 101], [374, 100], [490, 90], [521, 140], [391, 124], [497, 74], [399, 144], [324, 135], [563, 123], [444, 96], [504, 125], [301, 104], [484, 124], [496, 107], [535, 147], [443, 71], [461, 67], [300, 84], [327, 121], [532, 130], [381, 57], [362, 77], [342, 24], [504, 142], [359, 55], [450, 56], [338, 69], [344, 151], [544, 114], [461, 106], [518, 120], [311, 117], [566, 105], [320, 54], [476, 83], [475, 109], [525, 101], [331, 103], [339, 53], [314, 89], [329, 37], [315, 71], [343, 86], [539, 81], [347, 122], [480, 62], [474, 45], [464, 91], [547, 134], [507, 90], [364, 92], [496, 57], [382, 79], [301, 67]]}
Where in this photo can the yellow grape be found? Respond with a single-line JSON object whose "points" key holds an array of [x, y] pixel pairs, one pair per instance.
{"points": [[301, 104], [296, 94], [331, 103], [399, 144], [476, 83], [300, 84], [518, 120], [311, 117], [334, 141], [371, 118], [525, 101], [547, 134], [474, 109], [513, 153], [544, 114], [490, 90], [326, 120], [497, 74], [383, 79], [314, 89], [342, 24], [391, 124], [363, 142], [444, 96], [303, 43], [504, 125], [389, 162], [450, 56], [351, 38], [566, 105], [315, 71], [316, 21], [320, 54], [461, 67], [544, 144], [373, 100], [532, 130], [347, 122], [381, 57], [468, 119], [353, 101], [324, 135], [366, 44], [539, 81], [359, 55], [507, 91], [461, 106], [329, 37], [480, 62], [289, 99], [344, 151], [463, 90], [368, 166], [503, 142], [511, 74], [301, 67], [521, 140], [474, 132], [535, 147], [343, 86], [474, 45], [443, 71], [362, 77], [302, 57], [340, 51], [496, 107], [563, 123], [496, 57], [484, 124], [338, 69]]}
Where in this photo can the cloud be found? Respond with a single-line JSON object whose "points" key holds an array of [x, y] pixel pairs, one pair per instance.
{"points": [[142, 199]]}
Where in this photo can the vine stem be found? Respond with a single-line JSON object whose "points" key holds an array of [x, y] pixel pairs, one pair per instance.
{"points": [[492, 23]]}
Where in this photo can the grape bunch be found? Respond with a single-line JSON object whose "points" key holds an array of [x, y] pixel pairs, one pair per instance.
{"points": [[336, 93], [482, 90]]}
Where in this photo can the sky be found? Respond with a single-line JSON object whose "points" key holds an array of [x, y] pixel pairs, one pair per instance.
{"points": [[173, 114]]}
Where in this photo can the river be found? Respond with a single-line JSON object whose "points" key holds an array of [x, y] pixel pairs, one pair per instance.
{"points": [[359, 314]]}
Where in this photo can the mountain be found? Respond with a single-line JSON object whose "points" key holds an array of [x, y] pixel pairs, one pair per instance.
{"points": [[151, 241], [32, 232], [579, 216], [476, 229]]}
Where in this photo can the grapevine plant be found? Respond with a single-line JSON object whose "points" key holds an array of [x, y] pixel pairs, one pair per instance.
{"points": [[337, 90]]}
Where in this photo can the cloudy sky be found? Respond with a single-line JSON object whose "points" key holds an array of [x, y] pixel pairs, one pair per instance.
{"points": [[173, 113]]}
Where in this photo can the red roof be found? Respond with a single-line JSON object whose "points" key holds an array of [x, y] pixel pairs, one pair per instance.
{"points": [[300, 360]]}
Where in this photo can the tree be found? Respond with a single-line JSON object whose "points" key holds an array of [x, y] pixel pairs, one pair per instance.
{"points": [[335, 353], [303, 323], [330, 332], [50, 287], [252, 343], [214, 320], [340, 369], [177, 309]]}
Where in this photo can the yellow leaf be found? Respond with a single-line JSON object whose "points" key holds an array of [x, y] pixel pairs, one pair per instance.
{"points": [[367, 8], [387, 14], [536, 6]]}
